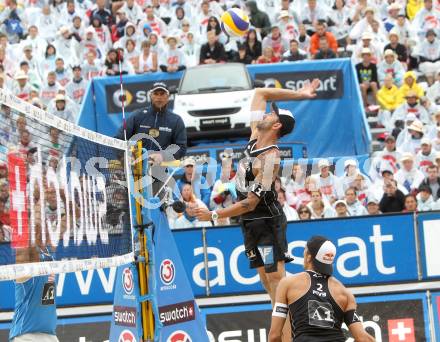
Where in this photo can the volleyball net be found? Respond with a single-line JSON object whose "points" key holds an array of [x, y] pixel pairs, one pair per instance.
{"points": [[63, 191]]}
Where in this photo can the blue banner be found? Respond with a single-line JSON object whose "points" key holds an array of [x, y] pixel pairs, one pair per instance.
{"points": [[179, 314], [391, 318], [126, 324], [429, 235], [369, 251], [337, 108], [435, 301]]}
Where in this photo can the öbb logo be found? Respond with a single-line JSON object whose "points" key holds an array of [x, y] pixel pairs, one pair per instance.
{"points": [[126, 336], [179, 336], [127, 281], [167, 271]]}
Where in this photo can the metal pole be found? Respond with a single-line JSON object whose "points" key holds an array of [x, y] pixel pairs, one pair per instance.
{"points": [[205, 262], [417, 240]]}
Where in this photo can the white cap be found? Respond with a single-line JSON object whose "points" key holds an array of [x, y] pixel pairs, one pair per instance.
{"points": [[425, 141], [367, 35], [407, 156], [323, 163], [350, 162], [340, 202]]}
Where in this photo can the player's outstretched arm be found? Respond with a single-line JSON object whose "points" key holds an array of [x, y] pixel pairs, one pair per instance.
{"points": [[280, 312], [264, 95], [267, 166], [353, 322]]}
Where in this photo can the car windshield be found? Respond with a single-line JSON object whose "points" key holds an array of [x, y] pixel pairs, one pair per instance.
{"points": [[221, 78]]}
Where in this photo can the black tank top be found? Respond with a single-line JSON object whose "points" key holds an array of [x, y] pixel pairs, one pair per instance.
{"points": [[268, 206], [316, 317]]}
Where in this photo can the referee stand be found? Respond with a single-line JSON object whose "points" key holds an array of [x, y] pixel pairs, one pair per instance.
{"points": [[153, 299]]}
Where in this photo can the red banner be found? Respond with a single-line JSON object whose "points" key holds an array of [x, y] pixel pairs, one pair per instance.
{"points": [[18, 210]]}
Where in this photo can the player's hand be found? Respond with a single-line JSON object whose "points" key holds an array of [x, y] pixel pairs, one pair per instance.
{"points": [[155, 158], [203, 214], [309, 90]]}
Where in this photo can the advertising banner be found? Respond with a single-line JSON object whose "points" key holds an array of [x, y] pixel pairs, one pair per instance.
{"points": [[325, 124], [435, 301], [84, 329], [394, 318], [369, 251], [178, 312], [429, 234]]}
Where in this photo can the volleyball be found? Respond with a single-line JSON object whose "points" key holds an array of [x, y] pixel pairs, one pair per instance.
{"points": [[234, 22]]}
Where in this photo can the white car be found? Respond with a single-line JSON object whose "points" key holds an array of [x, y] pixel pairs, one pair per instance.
{"points": [[214, 100]]}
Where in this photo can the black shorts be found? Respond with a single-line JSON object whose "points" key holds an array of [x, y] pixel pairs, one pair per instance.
{"points": [[265, 241]]}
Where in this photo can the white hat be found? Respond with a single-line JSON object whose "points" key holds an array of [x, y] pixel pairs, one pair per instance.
{"points": [[20, 75], [190, 161], [60, 97], [350, 162], [416, 126], [340, 202], [371, 198], [172, 36], [425, 141], [367, 35], [323, 163], [63, 29], [389, 52], [366, 51], [407, 156], [90, 29], [283, 14], [394, 6]]}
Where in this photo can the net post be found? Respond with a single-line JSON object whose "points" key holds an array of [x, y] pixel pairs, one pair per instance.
{"points": [[143, 264]]}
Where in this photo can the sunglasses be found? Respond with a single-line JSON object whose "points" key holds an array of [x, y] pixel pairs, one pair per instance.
{"points": [[303, 212]]}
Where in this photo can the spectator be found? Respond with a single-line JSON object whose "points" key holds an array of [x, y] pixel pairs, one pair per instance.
{"points": [[354, 206], [287, 25], [341, 209], [303, 38], [393, 199], [76, 88], [409, 176], [21, 88], [147, 59], [253, 45], [131, 53], [425, 156], [29, 57], [276, 41], [327, 183], [213, 51], [410, 204], [61, 110], [188, 218], [291, 214], [387, 97], [214, 25], [242, 56], [373, 206], [433, 92], [100, 11], [411, 105], [173, 59], [92, 66], [432, 181], [318, 208], [429, 52], [367, 76], [412, 141], [258, 19], [189, 177], [223, 192], [367, 42], [426, 19], [191, 50], [48, 63], [304, 213], [321, 33], [340, 22], [390, 66], [90, 44], [395, 46], [311, 15], [178, 20], [294, 54], [409, 83], [133, 10], [425, 201], [62, 74], [50, 90], [267, 57], [324, 51]]}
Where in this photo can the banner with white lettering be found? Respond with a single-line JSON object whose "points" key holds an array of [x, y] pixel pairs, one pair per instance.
{"points": [[178, 311], [370, 250], [392, 318], [126, 321], [429, 233]]}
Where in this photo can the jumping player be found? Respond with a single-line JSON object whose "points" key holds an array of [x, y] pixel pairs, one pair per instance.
{"points": [[317, 302], [263, 221]]}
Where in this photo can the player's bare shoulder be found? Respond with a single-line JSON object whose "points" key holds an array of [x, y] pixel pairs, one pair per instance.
{"points": [[339, 292]]}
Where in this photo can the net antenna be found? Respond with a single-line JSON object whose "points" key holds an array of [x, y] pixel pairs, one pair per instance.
{"points": [[121, 83]]}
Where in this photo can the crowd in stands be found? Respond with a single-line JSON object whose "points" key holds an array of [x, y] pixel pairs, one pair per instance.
{"points": [[49, 50]]}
